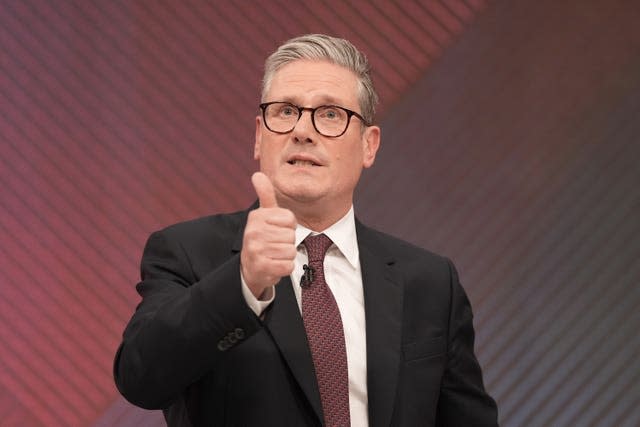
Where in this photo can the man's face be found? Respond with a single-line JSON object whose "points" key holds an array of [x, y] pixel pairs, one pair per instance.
{"points": [[304, 166]]}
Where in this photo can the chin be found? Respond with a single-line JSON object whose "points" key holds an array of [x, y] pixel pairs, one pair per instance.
{"points": [[301, 192], [304, 196]]}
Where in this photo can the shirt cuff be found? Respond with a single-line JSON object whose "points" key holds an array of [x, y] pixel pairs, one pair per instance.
{"points": [[255, 304]]}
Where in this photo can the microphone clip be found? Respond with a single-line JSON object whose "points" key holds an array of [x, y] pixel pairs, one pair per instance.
{"points": [[307, 276]]}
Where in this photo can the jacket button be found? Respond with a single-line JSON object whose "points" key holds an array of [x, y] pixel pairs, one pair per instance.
{"points": [[222, 345], [239, 333], [231, 337]]}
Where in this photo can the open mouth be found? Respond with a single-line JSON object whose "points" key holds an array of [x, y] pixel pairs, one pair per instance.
{"points": [[299, 162]]}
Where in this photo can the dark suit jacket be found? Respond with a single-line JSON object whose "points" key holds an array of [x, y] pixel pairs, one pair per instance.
{"points": [[196, 350]]}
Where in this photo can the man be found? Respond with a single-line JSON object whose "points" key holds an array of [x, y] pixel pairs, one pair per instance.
{"points": [[294, 313]]}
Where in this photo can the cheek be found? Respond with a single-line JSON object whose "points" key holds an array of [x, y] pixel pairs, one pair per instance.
{"points": [[269, 152], [349, 164]]}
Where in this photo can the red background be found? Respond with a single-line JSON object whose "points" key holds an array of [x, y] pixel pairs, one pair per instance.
{"points": [[511, 143]]}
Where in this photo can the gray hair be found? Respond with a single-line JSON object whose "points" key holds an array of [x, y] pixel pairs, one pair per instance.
{"points": [[326, 48]]}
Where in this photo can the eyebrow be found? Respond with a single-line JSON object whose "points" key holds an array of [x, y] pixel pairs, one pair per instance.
{"points": [[325, 100]]}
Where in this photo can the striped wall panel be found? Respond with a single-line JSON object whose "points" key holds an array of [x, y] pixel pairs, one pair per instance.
{"points": [[510, 143]]}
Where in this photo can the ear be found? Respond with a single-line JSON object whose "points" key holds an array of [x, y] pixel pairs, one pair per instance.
{"points": [[256, 147], [370, 145]]}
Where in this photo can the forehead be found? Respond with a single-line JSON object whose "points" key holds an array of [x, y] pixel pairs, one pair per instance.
{"points": [[307, 82]]}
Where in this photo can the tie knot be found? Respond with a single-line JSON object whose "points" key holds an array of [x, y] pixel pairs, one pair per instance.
{"points": [[317, 246]]}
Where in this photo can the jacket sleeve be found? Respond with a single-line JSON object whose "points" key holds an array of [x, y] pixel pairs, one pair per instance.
{"points": [[182, 327], [463, 400]]}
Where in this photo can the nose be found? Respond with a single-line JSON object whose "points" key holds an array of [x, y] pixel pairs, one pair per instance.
{"points": [[304, 131]]}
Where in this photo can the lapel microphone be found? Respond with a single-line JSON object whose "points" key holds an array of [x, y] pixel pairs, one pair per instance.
{"points": [[307, 276]]}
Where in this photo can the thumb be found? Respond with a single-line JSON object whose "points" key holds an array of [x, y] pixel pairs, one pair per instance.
{"points": [[264, 190]]}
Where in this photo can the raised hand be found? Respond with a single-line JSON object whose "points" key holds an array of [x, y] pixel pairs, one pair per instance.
{"points": [[268, 248]]}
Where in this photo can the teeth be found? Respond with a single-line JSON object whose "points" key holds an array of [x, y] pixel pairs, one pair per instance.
{"points": [[302, 163]]}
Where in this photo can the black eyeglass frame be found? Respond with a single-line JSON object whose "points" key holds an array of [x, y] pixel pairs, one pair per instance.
{"points": [[312, 111]]}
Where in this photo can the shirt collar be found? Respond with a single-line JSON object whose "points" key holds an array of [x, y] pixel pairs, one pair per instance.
{"points": [[342, 233]]}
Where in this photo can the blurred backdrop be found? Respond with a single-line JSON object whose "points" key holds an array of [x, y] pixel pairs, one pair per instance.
{"points": [[511, 143]]}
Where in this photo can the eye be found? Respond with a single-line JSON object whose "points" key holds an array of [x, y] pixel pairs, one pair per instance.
{"points": [[331, 113], [288, 110]]}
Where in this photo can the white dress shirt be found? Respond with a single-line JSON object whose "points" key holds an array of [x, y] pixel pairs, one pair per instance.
{"points": [[344, 277]]}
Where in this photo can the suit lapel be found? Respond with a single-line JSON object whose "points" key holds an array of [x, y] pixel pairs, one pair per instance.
{"points": [[383, 299], [284, 322]]}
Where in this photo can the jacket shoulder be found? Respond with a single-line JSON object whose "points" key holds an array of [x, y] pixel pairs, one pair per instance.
{"points": [[396, 248], [204, 243]]}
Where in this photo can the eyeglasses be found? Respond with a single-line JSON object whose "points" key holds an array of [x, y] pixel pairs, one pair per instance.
{"points": [[328, 120]]}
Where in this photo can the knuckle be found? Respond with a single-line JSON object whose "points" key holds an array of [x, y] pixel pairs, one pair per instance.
{"points": [[292, 252], [290, 217], [285, 268]]}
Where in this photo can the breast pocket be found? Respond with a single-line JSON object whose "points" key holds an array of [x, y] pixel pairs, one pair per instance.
{"points": [[424, 349]]}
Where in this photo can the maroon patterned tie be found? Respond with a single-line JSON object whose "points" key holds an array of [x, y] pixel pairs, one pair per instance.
{"points": [[326, 336]]}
